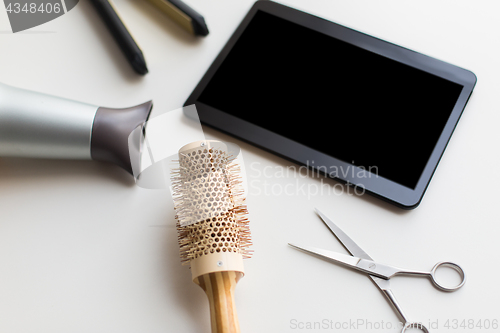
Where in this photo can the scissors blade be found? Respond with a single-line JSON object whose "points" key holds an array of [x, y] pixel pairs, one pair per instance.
{"points": [[346, 241], [359, 264], [340, 258], [353, 249]]}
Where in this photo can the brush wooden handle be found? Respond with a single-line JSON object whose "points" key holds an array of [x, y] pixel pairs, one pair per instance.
{"points": [[219, 287]]}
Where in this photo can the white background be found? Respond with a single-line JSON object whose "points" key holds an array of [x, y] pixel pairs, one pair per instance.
{"points": [[82, 249]]}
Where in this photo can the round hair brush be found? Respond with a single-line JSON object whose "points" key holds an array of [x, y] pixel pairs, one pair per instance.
{"points": [[213, 228]]}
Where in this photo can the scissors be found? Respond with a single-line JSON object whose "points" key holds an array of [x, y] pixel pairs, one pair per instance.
{"points": [[379, 273]]}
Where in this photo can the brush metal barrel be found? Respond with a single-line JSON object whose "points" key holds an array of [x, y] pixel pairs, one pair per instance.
{"points": [[210, 209]]}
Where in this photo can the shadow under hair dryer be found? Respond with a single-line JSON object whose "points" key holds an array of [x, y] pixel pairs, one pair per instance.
{"points": [[38, 125]]}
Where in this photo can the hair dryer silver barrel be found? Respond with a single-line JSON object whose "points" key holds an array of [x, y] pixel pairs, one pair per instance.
{"points": [[42, 126]]}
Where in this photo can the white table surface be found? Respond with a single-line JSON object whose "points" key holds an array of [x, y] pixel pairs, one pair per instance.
{"points": [[82, 249]]}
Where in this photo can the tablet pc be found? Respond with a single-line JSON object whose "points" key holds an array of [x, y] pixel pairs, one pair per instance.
{"points": [[351, 106]]}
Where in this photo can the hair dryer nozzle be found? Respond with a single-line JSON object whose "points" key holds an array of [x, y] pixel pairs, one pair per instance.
{"points": [[111, 131]]}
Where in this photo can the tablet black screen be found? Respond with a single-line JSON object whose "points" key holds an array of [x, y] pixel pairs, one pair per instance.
{"points": [[334, 97]]}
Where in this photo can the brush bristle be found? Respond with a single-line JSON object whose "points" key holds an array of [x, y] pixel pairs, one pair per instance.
{"points": [[210, 205]]}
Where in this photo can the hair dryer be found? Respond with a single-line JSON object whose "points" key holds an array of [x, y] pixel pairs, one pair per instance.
{"points": [[38, 125]]}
